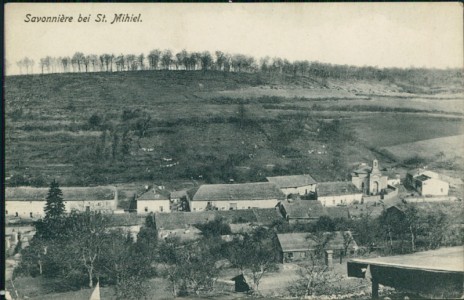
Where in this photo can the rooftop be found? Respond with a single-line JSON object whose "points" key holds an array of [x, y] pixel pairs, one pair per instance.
{"points": [[267, 216], [364, 169], [291, 181], [69, 193], [242, 191], [153, 195], [309, 241], [446, 259], [299, 209], [336, 188]]}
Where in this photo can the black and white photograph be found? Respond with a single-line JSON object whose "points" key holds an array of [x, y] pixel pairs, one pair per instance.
{"points": [[233, 151]]}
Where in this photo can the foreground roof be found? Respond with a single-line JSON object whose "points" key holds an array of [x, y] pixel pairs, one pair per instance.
{"points": [[336, 188], [69, 193], [444, 260], [291, 181], [242, 191], [309, 241]]}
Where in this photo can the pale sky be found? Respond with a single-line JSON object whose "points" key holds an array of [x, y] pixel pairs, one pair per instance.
{"points": [[375, 34]]}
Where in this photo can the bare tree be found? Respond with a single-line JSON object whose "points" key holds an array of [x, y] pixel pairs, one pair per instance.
{"points": [[78, 59], [166, 59], [141, 61], [154, 59], [206, 60]]}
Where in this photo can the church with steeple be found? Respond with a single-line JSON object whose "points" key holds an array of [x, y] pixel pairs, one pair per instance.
{"points": [[369, 179]]}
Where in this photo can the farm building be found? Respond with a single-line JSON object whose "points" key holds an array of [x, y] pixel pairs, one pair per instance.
{"points": [[300, 246], [301, 211], [295, 184], [236, 196], [338, 193], [153, 201], [427, 183], [305, 211], [29, 202], [369, 180]]}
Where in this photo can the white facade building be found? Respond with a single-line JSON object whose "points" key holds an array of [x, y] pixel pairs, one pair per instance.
{"points": [[29, 202], [236, 196], [427, 183], [152, 202], [338, 193]]}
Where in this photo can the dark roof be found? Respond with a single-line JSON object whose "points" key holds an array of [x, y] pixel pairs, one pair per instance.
{"points": [[414, 172], [363, 170], [291, 181], [177, 220], [422, 178], [69, 193], [290, 242], [153, 195], [267, 216], [336, 188], [304, 209], [241, 191]]}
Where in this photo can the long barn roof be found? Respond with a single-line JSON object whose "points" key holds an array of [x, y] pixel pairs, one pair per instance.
{"points": [[242, 191], [69, 193], [291, 181]]}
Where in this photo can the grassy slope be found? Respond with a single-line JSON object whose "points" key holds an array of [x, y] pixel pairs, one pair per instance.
{"points": [[194, 121]]}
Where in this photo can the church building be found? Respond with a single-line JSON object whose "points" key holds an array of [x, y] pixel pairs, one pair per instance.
{"points": [[369, 179]]}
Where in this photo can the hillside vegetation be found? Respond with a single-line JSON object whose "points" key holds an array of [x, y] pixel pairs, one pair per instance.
{"points": [[212, 126]]}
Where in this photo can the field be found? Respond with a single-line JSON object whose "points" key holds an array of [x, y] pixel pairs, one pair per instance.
{"points": [[443, 148], [178, 126]]}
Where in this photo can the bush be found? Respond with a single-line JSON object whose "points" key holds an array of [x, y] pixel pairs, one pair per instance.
{"points": [[95, 121]]}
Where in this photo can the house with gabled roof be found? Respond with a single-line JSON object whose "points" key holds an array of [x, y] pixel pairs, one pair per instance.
{"points": [[29, 202], [294, 184], [301, 211], [153, 201], [300, 246], [427, 183], [235, 196]]}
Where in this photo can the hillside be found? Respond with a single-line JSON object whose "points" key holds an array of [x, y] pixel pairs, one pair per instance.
{"points": [[165, 126]]}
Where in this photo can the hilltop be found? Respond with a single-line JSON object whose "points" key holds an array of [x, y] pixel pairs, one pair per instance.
{"points": [[165, 126]]}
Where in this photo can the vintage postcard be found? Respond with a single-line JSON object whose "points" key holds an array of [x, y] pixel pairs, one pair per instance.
{"points": [[233, 150]]}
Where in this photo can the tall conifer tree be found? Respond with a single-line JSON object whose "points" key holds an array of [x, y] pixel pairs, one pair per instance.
{"points": [[54, 207]]}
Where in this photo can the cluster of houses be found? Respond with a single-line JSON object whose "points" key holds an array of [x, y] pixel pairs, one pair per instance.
{"points": [[291, 199], [293, 194]]}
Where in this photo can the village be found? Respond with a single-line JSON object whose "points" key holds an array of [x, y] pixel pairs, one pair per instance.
{"points": [[296, 203], [233, 151]]}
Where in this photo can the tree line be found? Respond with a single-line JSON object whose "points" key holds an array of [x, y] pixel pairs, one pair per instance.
{"points": [[221, 61]]}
